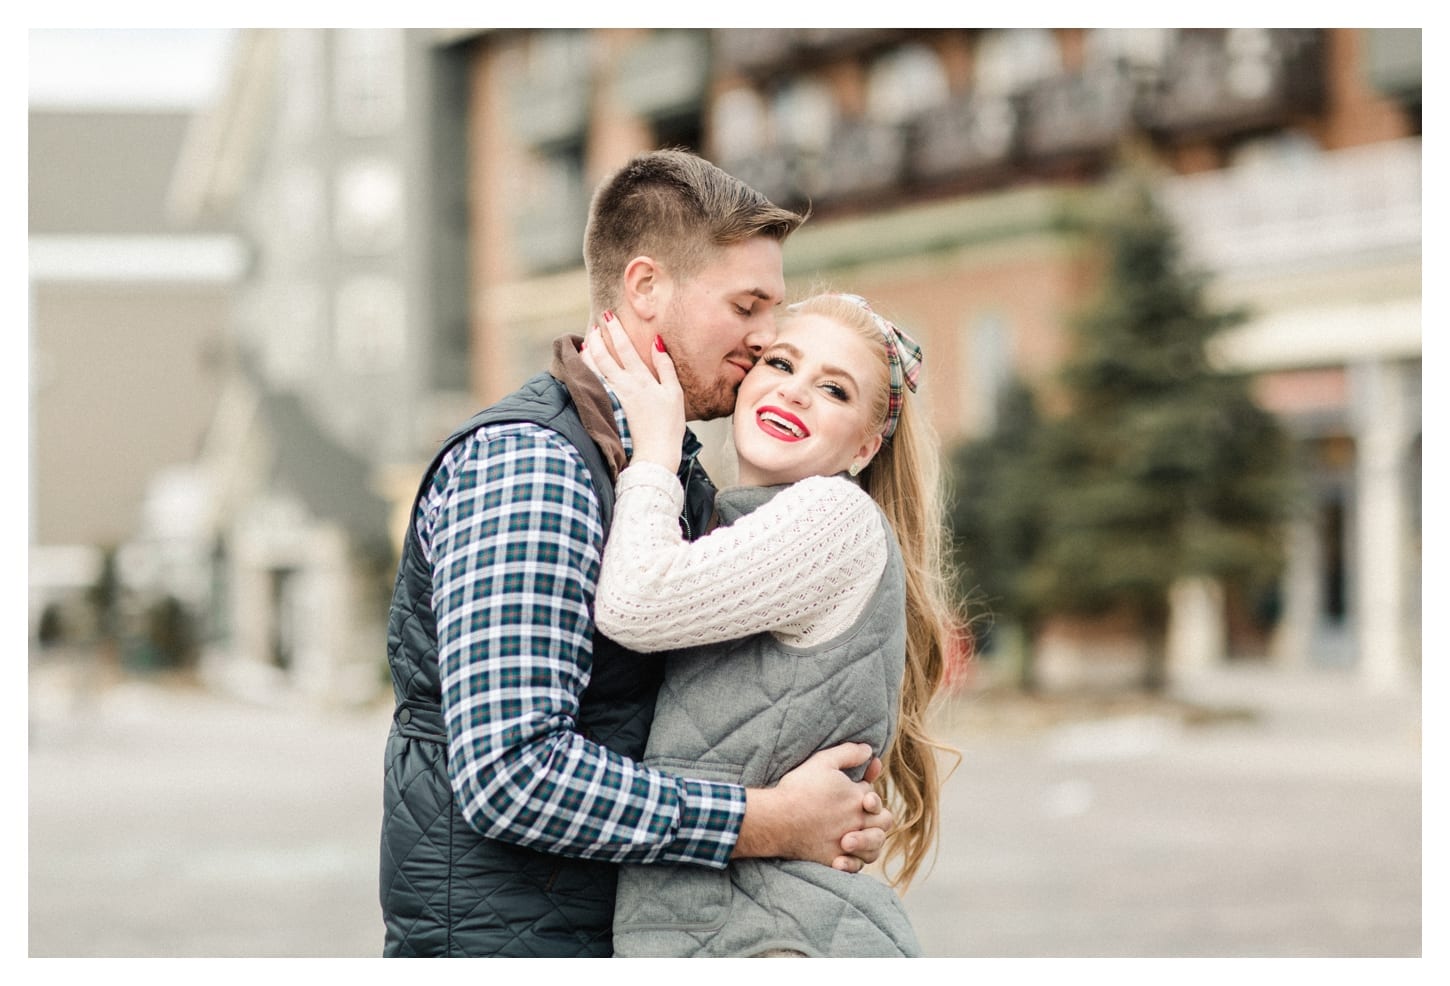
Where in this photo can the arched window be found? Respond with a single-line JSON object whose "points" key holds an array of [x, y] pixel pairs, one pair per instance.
{"points": [[986, 352]]}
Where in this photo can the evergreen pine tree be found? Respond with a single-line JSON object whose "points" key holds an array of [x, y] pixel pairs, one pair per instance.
{"points": [[996, 522], [1164, 467]]}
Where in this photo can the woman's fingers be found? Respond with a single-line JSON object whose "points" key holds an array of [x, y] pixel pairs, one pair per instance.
{"points": [[605, 351], [664, 366], [608, 351], [619, 344], [604, 345], [587, 350]]}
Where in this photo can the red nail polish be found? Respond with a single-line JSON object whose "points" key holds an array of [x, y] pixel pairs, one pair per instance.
{"points": [[660, 344]]}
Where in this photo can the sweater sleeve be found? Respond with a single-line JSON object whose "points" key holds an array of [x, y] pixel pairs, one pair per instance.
{"points": [[803, 565]]}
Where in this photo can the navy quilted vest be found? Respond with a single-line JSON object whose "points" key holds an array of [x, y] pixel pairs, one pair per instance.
{"points": [[445, 889]]}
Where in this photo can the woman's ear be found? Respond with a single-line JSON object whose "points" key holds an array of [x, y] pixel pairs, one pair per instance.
{"points": [[646, 288], [868, 450]]}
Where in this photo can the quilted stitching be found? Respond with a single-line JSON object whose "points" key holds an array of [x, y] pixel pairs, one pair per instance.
{"points": [[444, 889], [749, 711]]}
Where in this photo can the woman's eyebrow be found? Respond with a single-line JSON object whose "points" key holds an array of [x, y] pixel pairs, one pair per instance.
{"points": [[789, 349]]}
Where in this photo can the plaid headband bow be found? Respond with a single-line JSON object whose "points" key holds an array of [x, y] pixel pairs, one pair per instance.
{"points": [[903, 356]]}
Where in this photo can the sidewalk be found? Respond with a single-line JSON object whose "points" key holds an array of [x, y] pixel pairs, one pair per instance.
{"points": [[1265, 814], [1261, 814], [168, 821]]}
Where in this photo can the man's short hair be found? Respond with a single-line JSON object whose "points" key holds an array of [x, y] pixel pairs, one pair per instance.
{"points": [[679, 209]]}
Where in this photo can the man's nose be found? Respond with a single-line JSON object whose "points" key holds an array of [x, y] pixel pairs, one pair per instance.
{"points": [[761, 334]]}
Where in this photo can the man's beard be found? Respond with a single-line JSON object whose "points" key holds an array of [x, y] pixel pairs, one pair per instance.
{"points": [[705, 399]]}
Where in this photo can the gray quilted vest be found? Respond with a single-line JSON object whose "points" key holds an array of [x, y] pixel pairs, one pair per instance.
{"points": [[445, 889], [747, 712]]}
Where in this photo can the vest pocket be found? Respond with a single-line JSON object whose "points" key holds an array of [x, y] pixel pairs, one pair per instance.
{"points": [[676, 897], [671, 898]]}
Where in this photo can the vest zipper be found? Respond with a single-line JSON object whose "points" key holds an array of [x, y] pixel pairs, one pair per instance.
{"points": [[689, 472]]}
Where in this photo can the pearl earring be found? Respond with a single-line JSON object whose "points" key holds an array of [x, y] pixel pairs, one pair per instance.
{"points": [[855, 469]]}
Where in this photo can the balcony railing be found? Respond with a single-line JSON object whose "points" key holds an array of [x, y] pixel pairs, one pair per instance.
{"points": [[765, 50], [1074, 114], [774, 172], [1219, 82], [861, 158], [751, 49], [1214, 83], [968, 134], [1303, 211]]}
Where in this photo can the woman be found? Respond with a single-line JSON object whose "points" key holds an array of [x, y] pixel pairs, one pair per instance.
{"points": [[802, 622]]}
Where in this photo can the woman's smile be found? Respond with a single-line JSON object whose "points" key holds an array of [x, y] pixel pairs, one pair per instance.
{"points": [[781, 424]]}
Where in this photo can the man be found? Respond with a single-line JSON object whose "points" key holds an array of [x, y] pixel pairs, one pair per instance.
{"points": [[511, 788]]}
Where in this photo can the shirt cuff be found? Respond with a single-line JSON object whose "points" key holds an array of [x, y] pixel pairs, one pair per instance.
{"points": [[710, 816]]}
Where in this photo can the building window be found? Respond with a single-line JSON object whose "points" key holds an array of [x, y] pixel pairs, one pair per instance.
{"points": [[368, 80], [368, 218], [299, 213], [550, 206], [987, 354], [678, 130], [290, 332], [301, 88], [369, 326], [903, 82], [549, 91], [560, 53]]}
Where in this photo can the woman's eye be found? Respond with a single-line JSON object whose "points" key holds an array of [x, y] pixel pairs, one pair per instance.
{"points": [[779, 362], [836, 391], [747, 312]]}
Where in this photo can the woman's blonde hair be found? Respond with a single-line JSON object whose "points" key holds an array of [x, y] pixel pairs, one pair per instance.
{"points": [[905, 480]]}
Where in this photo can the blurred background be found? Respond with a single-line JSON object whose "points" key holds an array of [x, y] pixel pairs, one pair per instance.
{"points": [[1169, 285]]}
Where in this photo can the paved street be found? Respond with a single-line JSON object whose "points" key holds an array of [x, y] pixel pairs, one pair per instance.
{"points": [[1293, 833], [164, 821]]}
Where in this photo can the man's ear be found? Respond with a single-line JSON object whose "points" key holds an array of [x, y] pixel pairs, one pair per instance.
{"points": [[646, 288]]}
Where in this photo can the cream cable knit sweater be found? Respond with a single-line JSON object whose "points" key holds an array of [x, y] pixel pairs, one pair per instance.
{"points": [[802, 566]]}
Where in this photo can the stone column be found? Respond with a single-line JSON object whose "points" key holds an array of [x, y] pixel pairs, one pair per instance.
{"points": [[1197, 632], [1385, 426], [1293, 637]]}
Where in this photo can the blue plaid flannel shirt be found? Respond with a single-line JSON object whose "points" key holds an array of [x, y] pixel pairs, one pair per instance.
{"points": [[513, 533]]}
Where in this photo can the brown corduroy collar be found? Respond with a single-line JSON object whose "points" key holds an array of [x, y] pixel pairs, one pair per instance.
{"points": [[587, 391]]}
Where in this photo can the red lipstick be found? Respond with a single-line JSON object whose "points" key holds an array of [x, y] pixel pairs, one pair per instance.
{"points": [[781, 424]]}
